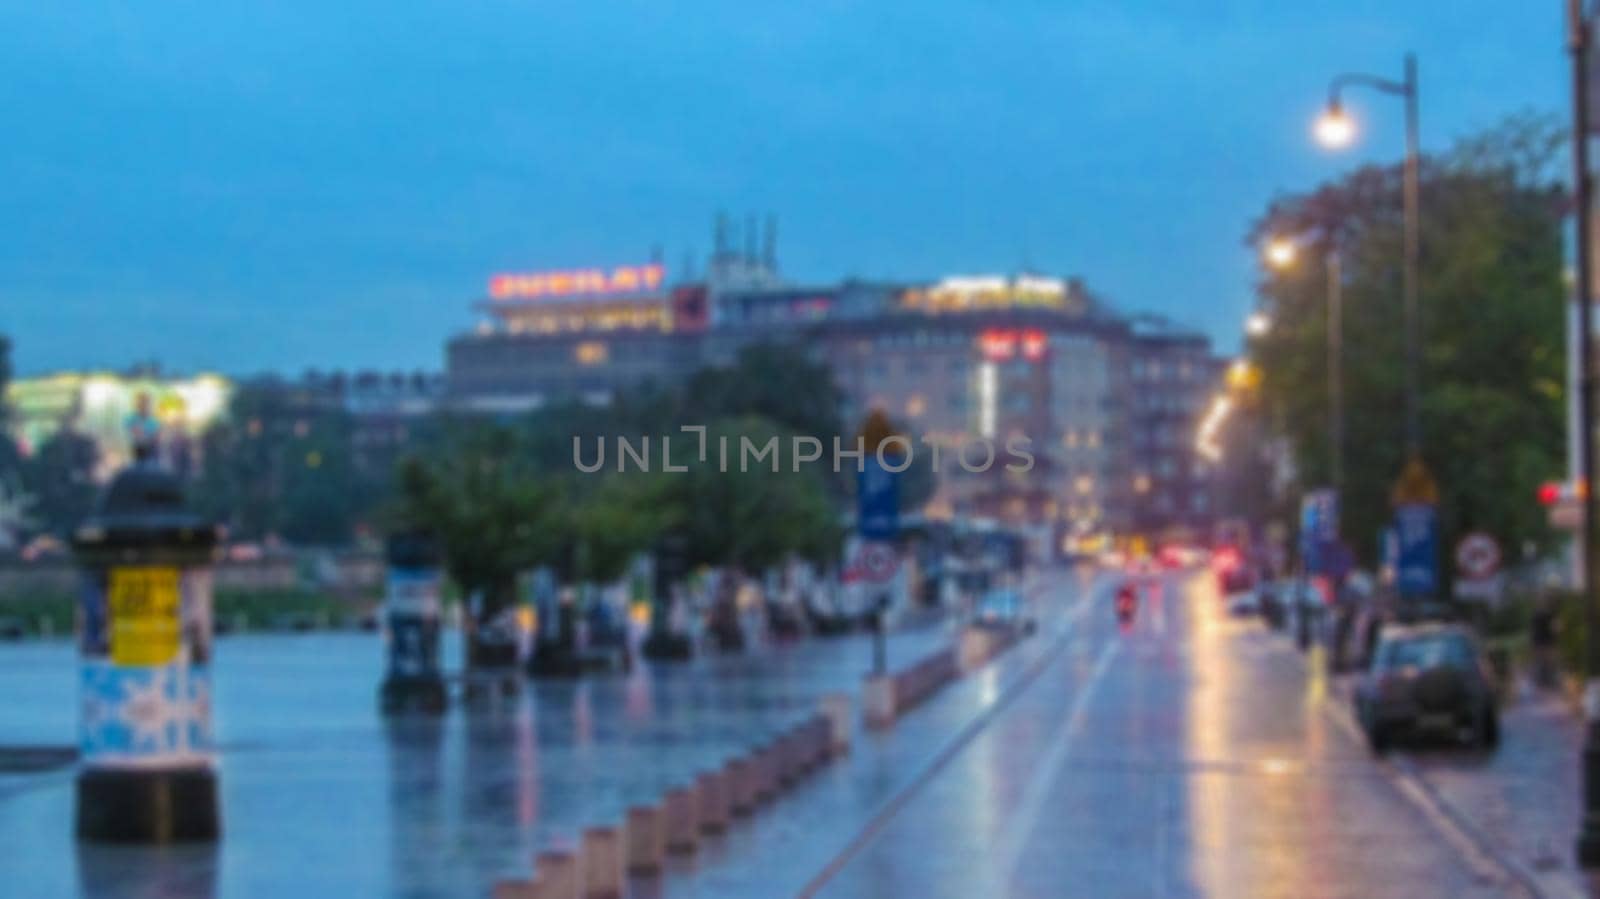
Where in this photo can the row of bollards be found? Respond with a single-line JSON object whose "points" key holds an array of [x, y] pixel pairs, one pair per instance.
{"points": [[885, 697], [686, 815]]}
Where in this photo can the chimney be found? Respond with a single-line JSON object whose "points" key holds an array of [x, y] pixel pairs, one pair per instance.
{"points": [[769, 253]]}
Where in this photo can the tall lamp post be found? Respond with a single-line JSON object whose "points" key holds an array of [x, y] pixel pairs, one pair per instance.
{"points": [[1579, 35], [1281, 253], [1335, 129]]}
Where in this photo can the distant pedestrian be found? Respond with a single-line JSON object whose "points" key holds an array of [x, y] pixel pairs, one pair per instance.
{"points": [[1542, 638]]}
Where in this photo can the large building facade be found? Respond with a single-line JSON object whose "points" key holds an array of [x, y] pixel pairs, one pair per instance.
{"points": [[1107, 405]]}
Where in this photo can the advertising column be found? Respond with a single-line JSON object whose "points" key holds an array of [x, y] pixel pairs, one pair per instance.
{"points": [[147, 758]]}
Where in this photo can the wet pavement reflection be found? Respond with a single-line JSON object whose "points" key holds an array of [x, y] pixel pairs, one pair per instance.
{"points": [[324, 797]]}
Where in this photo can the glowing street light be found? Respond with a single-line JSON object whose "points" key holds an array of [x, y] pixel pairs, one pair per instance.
{"points": [[1257, 324], [1334, 128], [1281, 252]]}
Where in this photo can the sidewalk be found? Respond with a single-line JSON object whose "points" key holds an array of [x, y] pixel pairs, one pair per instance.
{"points": [[1522, 802], [1525, 799]]}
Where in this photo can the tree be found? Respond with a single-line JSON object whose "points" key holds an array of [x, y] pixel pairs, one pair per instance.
{"points": [[778, 382], [1492, 304], [494, 518], [10, 459], [60, 476], [279, 465]]}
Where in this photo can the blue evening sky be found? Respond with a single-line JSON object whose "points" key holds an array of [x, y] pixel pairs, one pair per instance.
{"points": [[285, 185]]}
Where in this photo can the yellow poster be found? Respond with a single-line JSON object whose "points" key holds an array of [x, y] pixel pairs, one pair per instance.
{"points": [[145, 609]]}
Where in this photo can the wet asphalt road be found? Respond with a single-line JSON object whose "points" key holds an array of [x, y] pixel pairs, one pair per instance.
{"points": [[1188, 755]]}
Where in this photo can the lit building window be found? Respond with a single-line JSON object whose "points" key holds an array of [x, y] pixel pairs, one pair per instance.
{"points": [[591, 352]]}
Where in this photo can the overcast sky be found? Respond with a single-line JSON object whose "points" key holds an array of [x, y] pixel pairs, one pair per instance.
{"points": [[312, 184]]}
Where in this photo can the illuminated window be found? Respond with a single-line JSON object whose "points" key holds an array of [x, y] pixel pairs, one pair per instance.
{"points": [[591, 352]]}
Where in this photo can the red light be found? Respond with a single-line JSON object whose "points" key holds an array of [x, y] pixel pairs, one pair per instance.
{"points": [[1549, 493], [1034, 344], [998, 345], [1225, 560]]}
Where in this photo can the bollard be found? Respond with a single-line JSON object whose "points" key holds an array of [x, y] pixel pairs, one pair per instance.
{"points": [[762, 776], [975, 648], [515, 889], [682, 823], [645, 838], [836, 707], [783, 760], [877, 701], [148, 762], [555, 873], [413, 681], [741, 786], [817, 740], [600, 852], [713, 789]]}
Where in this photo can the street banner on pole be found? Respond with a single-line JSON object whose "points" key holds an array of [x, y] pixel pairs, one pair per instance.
{"points": [[1416, 525], [1319, 530], [1416, 528], [878, 502], [877, 487]]}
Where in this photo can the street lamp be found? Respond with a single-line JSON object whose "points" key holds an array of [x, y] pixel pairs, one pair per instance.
{"points": [[1257, 325], [1579, 34], [1335, 129], [1281, 252]]}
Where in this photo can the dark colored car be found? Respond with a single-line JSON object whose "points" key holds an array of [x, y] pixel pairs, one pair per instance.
{"points": [[1428, 678]]}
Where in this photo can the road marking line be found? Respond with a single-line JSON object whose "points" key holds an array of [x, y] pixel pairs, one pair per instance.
{"points": [[963, 737], [1045, 774]]}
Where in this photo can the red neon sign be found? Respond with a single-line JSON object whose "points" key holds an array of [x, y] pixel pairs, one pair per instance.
{"points": [[1000, 344], [1034, 344], [576, 282]]}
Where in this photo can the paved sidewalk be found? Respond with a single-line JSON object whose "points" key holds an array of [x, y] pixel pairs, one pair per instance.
{"points": [[1521, 803], [1526, 798]]}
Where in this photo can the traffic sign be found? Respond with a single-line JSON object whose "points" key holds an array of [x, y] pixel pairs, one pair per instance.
{"points": [[1416, 527], [872, 561], [1478, 556], [1415, 485], [877, 487]]}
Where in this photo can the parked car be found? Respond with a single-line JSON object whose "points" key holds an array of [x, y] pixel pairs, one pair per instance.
{"points": [[1429, 678]]}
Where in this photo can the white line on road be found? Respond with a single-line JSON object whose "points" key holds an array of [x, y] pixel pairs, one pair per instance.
{"points": [[1008, 848], [973, 728]]}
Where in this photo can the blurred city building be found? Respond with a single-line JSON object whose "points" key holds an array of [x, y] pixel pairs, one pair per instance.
{"points": [[109, 408], [1109, 402]]}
